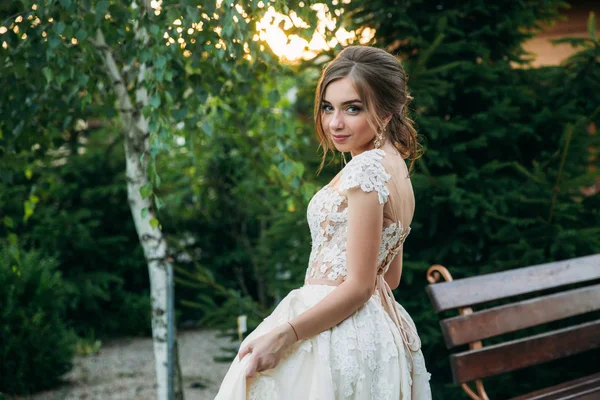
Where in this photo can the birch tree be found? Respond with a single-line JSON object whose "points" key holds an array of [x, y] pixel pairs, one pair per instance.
{"points": [[134, 126]]}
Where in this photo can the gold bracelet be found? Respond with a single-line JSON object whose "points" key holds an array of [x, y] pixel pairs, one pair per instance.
{"points": [[294, 330]]}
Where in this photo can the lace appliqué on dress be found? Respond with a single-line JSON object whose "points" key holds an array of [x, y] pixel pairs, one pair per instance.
{"points": [[321, 209], [392, 239], [261, 387], [327, 217], [367, 172]]}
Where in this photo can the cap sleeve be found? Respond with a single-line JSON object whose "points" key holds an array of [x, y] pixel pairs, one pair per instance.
{"points": [[366, 171]]}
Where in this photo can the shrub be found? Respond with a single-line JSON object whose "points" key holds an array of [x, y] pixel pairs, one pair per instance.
{"points": [[36, 346], [98, 251]]}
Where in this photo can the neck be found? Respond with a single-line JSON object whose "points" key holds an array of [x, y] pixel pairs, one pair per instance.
{"points": [[371, 146]]}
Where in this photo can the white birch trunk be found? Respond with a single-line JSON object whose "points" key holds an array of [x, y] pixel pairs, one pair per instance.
{"points": [[135, 129]]}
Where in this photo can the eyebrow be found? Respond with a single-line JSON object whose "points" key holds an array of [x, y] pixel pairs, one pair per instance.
{"points": [[345, 102]]}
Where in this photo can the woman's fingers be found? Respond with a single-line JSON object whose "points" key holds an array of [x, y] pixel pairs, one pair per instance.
{"points": [[252, 367], [245, 350], [263, 353]]}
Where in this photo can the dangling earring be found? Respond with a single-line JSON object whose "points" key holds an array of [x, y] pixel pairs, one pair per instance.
{"points": [[379, 139]]}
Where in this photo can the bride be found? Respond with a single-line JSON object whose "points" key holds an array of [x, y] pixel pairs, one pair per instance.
{"points": [[342, 335]]}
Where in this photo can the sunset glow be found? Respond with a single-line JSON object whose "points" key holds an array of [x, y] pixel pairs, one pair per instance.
{"points": [[293, 47]]}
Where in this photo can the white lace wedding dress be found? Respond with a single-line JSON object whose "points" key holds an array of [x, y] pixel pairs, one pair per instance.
{"points": [[375, 353]]}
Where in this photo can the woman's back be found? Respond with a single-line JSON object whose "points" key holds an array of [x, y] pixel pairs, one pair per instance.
{"points": [[401, 201], [374, 170]]}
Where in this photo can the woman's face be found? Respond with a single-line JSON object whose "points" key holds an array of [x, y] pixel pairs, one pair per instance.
{"points": [[344, 119]]}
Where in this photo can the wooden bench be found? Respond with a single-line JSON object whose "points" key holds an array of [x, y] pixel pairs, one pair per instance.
{"points": [[470, 327]]}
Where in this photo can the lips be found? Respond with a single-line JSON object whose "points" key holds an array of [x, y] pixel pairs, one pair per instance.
{"points": [[339, 138]]}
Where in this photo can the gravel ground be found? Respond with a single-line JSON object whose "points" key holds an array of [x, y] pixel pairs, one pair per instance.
{"points": [[124, 369]]}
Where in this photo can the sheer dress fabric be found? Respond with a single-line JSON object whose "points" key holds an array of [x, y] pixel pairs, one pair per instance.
{"points": [[375, 353]]}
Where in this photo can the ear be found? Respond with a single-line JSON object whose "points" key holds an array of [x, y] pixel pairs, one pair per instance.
{"points": [[387, 119]]}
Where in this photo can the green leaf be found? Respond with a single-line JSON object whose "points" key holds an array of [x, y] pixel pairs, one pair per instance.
{"points": [[81, 34], [592, 26], [178, 114], [193, 12], [168, 97], [8, 222], [299, 168], [207, 128], [145, 55], [67, 121], [273, 96], [286, 168], [147, 110], [101, 8], [53, 42], [155, 100], [159, 203], [159, 74], [144, 212], [227, 29], [12, 239], [48, 74], [59, 27], [146, 190], [160, 61], [154, 223], [210, 7], [28, 208]]}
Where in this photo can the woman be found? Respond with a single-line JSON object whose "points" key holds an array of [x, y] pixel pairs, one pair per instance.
{"points": [[342, 335]]}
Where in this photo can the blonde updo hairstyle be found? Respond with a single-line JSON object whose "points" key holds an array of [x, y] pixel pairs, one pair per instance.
{"points": [[380, 81]]}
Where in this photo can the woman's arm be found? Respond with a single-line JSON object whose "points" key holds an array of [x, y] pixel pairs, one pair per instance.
{"points": [[365, 219]]}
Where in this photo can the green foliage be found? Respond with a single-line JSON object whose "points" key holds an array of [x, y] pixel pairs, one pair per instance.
{"points": [[83, 220], [245, 206], [193, 61], [36, 346]]}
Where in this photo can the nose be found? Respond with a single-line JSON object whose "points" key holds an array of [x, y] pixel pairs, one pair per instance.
{"points": [[336, 122]]}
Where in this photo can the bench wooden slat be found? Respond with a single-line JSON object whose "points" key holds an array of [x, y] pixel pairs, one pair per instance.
{"points": [[499, 285], [509, 318], [567, 389], [593, 394], [509, 356]]}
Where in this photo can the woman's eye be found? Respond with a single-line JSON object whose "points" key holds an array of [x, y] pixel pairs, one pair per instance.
{"points": [[326, 107], [353, 109]]}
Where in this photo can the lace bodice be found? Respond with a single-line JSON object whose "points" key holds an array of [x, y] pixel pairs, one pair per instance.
{"points": [[327, 218]]}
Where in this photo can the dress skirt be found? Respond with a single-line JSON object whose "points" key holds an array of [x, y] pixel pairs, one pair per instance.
{"points": [[363, 357]]}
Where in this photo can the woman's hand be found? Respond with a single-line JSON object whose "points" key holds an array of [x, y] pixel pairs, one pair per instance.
{"points": [[266, 351]]}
